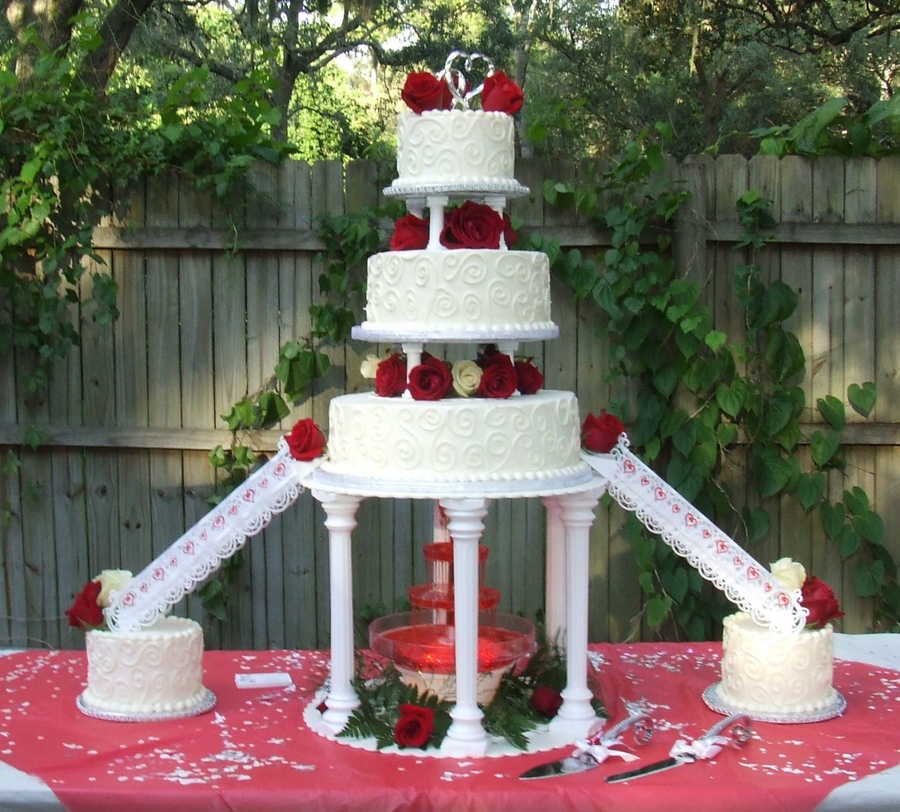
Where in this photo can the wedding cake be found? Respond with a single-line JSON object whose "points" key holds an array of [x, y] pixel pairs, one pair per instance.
{"points": [[766, 671], [452, 275], [783, 674], [156, 671]]}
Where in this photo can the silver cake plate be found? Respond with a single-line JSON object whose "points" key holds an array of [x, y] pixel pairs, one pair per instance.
{"points": [[206, 703], [499, 188], [715, 702]]}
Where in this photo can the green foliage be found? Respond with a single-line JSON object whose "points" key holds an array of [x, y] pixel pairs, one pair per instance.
{"points": [[835, 129], [70, 155], [379, 708], [700, 395]]}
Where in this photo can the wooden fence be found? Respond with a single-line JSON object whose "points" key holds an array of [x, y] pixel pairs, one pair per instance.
{"points": [[132, 414]]}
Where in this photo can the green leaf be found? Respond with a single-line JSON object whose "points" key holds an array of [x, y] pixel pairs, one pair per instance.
{"points": [[772, 475], [862, 398], [832, 518], [810, 489], [658, 608], [715, 340], [757, 522], [870, 526], [832, 410], [675, 583], [778, 411], [824, 446], [867, 578], [784, 354], [726, 434], [856, 500], [848, 541], [731, 398]]}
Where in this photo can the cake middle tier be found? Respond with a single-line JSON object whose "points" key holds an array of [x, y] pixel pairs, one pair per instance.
{"points": [[464, 292], [527, 438]]}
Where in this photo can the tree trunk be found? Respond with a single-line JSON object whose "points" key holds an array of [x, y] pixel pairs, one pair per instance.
{"points": [[53, 21]]}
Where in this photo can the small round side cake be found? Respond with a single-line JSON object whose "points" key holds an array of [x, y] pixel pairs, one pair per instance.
{"points": [[457, 440], [467, 290], [157, 670], [776, 672], [454, 146]]}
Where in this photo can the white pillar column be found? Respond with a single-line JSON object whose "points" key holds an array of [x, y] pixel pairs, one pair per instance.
{"points": [[340, 520], [555, 573], [577, 715], [466, 736]]}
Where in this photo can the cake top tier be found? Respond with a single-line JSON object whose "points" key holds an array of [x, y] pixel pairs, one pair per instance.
{"points": [[445, 146]]}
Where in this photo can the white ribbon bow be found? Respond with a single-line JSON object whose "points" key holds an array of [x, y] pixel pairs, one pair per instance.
{"points": [[602, 750], [683, 751]]}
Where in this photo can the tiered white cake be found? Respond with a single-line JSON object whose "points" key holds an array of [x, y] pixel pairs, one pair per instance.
{"points": [[468, 295]]}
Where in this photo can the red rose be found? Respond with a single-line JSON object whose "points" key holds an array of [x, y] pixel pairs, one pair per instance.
{"points": [[509, 234], [424, 91], [410, 234], [498, 378], [819, 599], [306, 440], [546, 700], [529, 378], [390, 377], [600, 434], [414, 727], [501, 94], [472, 225], [85, 612], [430, 380]]}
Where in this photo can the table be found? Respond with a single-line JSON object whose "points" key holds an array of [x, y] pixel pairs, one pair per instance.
{"points": [[253, 751]]}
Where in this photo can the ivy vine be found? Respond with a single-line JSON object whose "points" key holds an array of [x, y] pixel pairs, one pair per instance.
{"points": [[704, 400]]}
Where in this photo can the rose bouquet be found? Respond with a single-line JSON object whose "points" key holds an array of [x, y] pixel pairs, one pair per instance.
{"points": [[816, 597], [491, 375], [449, 89], [86, 612], [470, 225]]}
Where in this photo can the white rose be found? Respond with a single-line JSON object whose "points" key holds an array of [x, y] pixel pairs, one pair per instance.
{"points": [[111, 581], [466, 378], [789, 573], [369, 367]]}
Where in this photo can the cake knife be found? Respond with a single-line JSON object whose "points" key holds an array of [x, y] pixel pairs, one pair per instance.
{"points": [[709, 745], [594, 750]]}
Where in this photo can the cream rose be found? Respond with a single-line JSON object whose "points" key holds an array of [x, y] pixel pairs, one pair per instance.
{"points": [[111, 581], [466, 378], [788, 573], [369, 367]]}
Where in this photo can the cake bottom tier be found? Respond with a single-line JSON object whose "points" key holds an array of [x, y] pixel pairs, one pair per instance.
{"points": [[523, 439]]}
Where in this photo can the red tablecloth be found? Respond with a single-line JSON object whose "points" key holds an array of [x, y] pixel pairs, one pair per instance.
{"points": [[253, 752]]}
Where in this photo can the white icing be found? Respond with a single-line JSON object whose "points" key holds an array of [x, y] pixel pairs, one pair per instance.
{"points": [[475, 440], [777, 672], [461, 290], [458, 146], [154, 670]]}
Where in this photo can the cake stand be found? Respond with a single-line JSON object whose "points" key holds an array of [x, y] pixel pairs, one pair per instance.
{"points": [[569, 504]]}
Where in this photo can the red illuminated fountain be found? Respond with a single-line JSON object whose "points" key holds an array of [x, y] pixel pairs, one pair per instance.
{"points": [[422, 643]]}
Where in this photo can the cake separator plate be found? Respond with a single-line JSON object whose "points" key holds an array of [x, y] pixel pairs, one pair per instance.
{"points": [[714, 702], [207, 702]]}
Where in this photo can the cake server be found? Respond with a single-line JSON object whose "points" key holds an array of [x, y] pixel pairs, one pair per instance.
{"points": [[596, 748], [709, 745]]}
